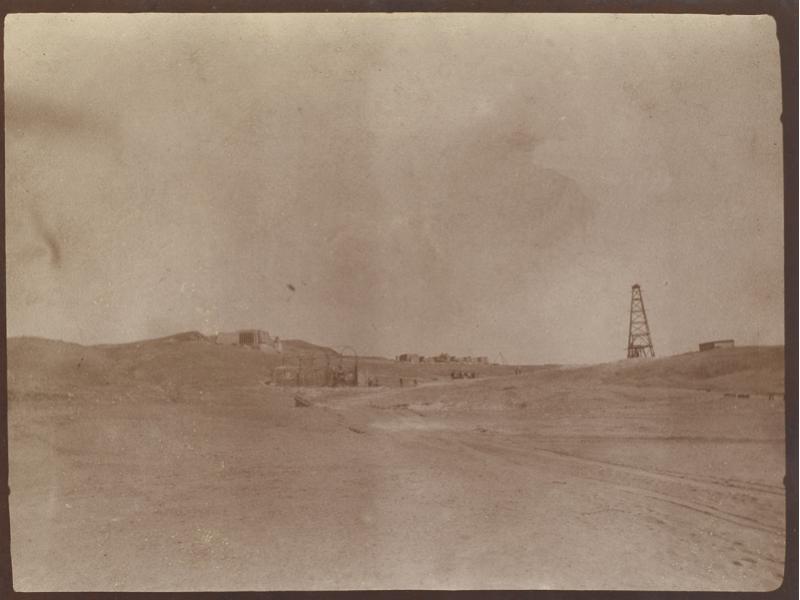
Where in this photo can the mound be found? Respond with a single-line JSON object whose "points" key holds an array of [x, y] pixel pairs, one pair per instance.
{"points": [[302, 347], [37, 364], [193, 363], [754, 369], [186, 336], [185, 359]]}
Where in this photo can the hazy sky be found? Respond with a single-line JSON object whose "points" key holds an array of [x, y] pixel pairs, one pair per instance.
{"points": [[472, 184]]}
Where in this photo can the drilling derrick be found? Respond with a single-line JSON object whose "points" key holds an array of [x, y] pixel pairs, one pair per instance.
{"points": [[639, 341]]}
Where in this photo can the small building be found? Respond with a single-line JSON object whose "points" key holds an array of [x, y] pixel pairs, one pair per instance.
{"points": [[252, 338], [414, 358], [716, 344], [483, 360]]}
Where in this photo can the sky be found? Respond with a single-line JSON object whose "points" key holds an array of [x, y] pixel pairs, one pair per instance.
{"points": [[471, 184]]}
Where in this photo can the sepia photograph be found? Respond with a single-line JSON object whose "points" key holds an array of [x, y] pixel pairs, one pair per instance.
{"points": [[395, 301]]}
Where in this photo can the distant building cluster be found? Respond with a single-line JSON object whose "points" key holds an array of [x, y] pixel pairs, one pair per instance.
{"points": [[251, 338], [442, 358]]}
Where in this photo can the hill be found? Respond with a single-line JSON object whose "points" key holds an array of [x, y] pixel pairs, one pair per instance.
{"points": [[40, 364], [753, 369], [302, 347], [181, 360]]}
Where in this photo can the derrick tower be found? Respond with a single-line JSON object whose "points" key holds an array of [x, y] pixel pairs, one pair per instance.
{"points": [[639, 341]]}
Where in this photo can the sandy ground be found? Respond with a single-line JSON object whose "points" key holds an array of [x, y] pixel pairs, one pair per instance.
{"points": [[547, 480]]}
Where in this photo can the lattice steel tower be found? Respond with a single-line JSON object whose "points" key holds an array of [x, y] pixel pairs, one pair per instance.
{"points": [[639, 341]]}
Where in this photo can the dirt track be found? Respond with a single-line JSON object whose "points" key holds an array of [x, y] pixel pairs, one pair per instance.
{"points": [[531, 481]]}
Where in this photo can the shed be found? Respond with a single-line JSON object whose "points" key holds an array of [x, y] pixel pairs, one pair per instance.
{"points": [[716, 344], [253, 338]]}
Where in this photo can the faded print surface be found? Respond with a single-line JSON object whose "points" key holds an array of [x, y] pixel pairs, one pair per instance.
{"points": [[230, 239]]}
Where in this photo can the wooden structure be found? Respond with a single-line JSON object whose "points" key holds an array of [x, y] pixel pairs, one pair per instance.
{"points": [[716, 344]]}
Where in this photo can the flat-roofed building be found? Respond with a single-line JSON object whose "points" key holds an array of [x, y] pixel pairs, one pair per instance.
{"points": [[252, 338], [716, 344]]}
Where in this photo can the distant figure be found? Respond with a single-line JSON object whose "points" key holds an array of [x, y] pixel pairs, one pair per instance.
{"points": [[415, 382], [401, 382]]}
